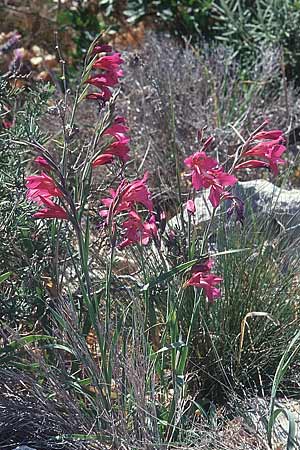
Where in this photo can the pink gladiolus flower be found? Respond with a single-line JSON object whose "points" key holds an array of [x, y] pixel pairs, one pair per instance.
{"points": [[109, 77], [272, 134], [104, 48], [137, 231], [109, 63], [126, 196], [237, 206], [205, 174], [138, 192], [199, 162], [201, 278], [106, 79], [117, 129], [51, 211], [207, 282], [101, 160], [190, 207], [217, 180], [252, 164], [7, 124], [116, 149], [104, 95], [42, 162], [207, 143], [119, 148], [41, 187], [269, 150]]}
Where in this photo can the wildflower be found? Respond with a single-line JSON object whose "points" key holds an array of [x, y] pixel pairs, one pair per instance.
{"points": [[237, 206], [108, 79], [104, 95], [206, 173], [7, 124], [51, 211], [110, 63], [41, 187], [117, 149], [126, 196], [110, 73], [269, 148], [138, 192], [272, 134], [104, 48], [42, 162], [105, 158], [118, 129], [137, 231], [252, 164], [190, 207], [202, 278], [200, 163], [217, 180]]}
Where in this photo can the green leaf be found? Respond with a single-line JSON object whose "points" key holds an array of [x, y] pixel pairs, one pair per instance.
{"points": [[171, 273], [10, 348], [174, 345], [4, 276], [282, 368]]}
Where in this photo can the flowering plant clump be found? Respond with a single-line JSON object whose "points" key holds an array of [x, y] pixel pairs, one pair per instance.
{"points": [[173, 278], [129, 210], [207, 173]]}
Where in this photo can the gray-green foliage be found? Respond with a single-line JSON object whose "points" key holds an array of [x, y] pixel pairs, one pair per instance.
{"points": [[249, 26], [24, 243]]}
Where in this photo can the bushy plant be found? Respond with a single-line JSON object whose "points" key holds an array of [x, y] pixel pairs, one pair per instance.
{"points": [[25, 254], [249, 26]]}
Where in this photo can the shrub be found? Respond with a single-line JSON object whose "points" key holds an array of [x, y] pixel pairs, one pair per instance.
{"points": [[25, 249], [249, 26]]}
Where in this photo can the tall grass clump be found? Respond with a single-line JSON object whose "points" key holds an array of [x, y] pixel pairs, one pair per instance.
{"points": [[144, 323]]}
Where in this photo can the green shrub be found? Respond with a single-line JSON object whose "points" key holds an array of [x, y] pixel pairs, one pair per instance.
{"points": [[25, 251]]}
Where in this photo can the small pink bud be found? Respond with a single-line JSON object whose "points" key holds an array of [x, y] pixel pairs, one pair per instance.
{"points": [[105, 48], [190, 207], [42, 162], [200, 135], [7, 124], [208, 142]]}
